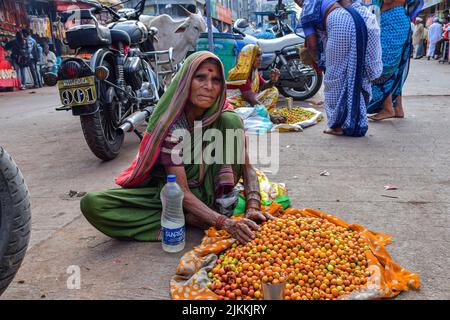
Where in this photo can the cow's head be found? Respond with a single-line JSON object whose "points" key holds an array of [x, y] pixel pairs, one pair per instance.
{"points": [[192, 27]]}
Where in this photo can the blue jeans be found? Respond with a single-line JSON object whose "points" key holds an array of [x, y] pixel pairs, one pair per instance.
{"points": [[20, 74], [36, 76]]}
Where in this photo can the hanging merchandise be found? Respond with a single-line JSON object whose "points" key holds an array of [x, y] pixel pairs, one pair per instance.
{"points": [[40, 26], [13, 17]]}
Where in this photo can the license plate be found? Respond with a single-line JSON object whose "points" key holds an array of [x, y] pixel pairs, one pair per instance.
{"points": [[77, 92]]}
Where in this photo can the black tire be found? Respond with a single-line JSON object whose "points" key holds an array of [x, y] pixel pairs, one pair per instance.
{"points": [[94, 134], [316, 83], [15, 219], [99, 129]]}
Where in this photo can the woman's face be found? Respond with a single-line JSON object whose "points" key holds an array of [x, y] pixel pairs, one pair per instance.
{"points": [[206, 85], [257, 61]]}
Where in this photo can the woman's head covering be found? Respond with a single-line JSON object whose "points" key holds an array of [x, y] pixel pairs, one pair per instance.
{"points": [[418, 19], [241, 72], [167, 111], [435, 19]]}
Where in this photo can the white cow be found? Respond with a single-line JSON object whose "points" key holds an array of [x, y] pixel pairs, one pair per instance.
{"points": [[181, 35]]}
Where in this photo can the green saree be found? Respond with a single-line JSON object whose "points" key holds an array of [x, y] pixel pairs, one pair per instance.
{"points": [[135, 212]]}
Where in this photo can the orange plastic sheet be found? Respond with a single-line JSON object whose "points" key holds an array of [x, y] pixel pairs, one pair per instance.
{"points": [[387, 278]]}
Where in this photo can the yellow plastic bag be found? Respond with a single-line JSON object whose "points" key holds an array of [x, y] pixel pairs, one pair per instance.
{"points": [[270, 190]]}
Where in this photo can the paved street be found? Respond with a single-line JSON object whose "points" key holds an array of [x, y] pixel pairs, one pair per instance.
{"points": [[412, 153]]}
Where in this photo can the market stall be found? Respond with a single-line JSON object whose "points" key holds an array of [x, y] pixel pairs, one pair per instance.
{"points": [[303, 255], [13, 17], [8, 76]]}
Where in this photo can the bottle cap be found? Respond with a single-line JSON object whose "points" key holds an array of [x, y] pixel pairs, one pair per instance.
{"points": [[171, 178]]}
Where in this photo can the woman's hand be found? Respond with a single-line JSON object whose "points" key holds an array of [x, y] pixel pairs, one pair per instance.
{"points": [[274, 75], [242, 230], [257, 215]]}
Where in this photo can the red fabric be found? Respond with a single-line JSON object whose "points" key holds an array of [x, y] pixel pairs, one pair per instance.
{"points": [[227, 106], [9, 83], [248, 85], [5, 65], [63, 6], [445, 35], [243, 87]]}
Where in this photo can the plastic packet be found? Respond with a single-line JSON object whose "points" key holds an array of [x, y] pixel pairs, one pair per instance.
{"points": [[227, 203]]}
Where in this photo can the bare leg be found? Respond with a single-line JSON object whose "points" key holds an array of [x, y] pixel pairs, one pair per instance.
{"points": [[399, 113], [387, 111]]}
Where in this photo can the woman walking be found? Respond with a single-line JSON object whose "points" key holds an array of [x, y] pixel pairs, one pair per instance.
{"points": [[396, 42], [344, 39]]}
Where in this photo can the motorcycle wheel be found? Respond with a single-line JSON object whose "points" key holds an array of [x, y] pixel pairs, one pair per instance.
{"points": [[100, 129], [15, 219], [313, 82]]}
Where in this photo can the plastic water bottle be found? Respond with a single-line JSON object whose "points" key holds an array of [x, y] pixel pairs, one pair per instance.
{"points": [[172, 218]]}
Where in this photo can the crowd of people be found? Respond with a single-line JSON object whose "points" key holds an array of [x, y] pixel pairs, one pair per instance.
{"points": [[364, 52], [30, 58], [432, 41]]}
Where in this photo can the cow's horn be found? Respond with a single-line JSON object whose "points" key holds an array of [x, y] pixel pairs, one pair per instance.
{"points": [[185, 10]]}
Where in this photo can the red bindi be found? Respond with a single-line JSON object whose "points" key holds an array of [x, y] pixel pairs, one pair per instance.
{"points": [[210, 70]]}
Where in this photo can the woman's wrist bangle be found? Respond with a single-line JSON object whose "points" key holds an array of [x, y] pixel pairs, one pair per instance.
{"points": [[220, 221], [254, 200], [247, 193], [258, 208]]}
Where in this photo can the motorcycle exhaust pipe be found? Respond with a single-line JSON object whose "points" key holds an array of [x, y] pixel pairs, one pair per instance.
{"points": [[133, 121]]}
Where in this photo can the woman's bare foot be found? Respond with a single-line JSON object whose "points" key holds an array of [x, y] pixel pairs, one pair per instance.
{"points": [[335, 131], [382, 115], [387, 111], [399, 113]]}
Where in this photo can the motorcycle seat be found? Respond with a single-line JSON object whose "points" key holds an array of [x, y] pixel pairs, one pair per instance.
{"points": [[120, 36], [104, 34], [88, 35], [272, 45]]}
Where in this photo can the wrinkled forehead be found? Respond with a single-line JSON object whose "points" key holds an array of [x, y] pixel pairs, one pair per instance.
{"points": [[211, 65]]}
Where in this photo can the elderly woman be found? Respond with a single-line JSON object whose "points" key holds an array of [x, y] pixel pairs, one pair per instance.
{"points": [[194, 101], [343, 38], [245, 85]]}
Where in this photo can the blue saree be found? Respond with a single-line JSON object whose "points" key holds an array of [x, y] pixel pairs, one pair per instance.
{"points": [[352, 58], [396, 43]]}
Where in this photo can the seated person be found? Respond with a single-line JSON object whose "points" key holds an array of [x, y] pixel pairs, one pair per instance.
{"points": [[48, 60], [197, 93], [247, 88]]}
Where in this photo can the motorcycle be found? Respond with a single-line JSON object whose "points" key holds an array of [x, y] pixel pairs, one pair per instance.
{"points": [[15, 219], [110, 83], [297, 80]]}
